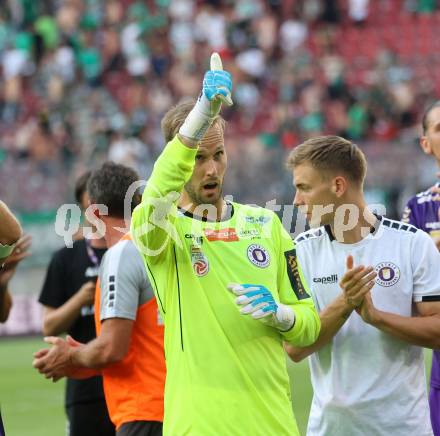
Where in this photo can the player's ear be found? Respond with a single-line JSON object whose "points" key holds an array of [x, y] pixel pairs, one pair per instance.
{"points": [[339, 186], [426, 146]]}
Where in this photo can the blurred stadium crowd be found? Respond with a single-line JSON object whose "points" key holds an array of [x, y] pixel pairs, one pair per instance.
{"points": [[88, 80]]}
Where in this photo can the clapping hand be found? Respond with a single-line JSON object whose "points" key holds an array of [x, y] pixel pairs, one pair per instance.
{"points": [[356, 282]]}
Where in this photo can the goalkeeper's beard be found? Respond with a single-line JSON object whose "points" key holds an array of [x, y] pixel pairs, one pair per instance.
{"points": [[198, 198]]}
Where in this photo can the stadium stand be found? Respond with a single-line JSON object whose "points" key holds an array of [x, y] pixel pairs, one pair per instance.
{"points": [[73, 75]]}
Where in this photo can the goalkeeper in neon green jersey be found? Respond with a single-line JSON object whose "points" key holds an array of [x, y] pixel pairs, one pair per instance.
{"points": [[226, 372]]}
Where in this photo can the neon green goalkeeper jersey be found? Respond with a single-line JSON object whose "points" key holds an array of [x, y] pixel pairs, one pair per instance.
{"points": [[226, 372]]}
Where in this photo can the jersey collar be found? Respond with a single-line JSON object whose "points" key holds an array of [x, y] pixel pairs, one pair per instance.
{"points": [[373, 229], [227, 216]]}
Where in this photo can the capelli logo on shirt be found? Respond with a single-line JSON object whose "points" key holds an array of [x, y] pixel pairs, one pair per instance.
{"points": [[198, 239], [329, 280]]}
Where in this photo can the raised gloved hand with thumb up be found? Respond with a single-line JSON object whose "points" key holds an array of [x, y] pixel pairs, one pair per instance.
{"points": [[217, 89]]}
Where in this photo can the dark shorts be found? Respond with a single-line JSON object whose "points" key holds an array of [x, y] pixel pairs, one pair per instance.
{"points": [[140, 428], [434, 406], [89, 419]]}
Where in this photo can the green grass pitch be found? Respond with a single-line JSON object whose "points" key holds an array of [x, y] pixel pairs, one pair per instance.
{"points": [[32, 405]]}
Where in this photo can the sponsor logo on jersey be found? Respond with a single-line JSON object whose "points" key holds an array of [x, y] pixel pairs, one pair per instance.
{"points": [[258, 255], [199, 261], [197, 239], [388, 274], [249, 234], [294, 275], [225, 235], [326, 280], [257, 219]]}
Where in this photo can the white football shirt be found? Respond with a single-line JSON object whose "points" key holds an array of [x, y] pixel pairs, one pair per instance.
{"points": [[367, 382]]}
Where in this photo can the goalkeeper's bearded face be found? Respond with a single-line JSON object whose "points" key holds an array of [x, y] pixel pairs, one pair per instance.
{"points": [[205, 185]]}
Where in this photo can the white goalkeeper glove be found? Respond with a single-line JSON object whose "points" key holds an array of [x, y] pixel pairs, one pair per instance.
{"points": [[257, 301], [217, 88]]}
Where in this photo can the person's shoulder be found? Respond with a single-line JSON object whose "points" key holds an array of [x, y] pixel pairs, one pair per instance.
{"points": [[124, 253], [312, 236], [402, 228], [394, 231], [122, 247]]}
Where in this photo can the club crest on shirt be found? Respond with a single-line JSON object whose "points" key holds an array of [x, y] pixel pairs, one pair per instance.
{"points": [[199, 261], [258, 255], [388, 274]]}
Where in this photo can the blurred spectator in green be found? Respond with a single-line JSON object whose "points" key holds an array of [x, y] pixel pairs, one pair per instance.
{"points": [[46, 26], [357, 121], [89, 59], [426, 6]]}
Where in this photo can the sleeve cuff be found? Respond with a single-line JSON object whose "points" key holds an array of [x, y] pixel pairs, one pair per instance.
{"points": [[426, 298]]}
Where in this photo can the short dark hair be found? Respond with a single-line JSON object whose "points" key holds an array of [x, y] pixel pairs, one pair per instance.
{"points": [[174, 118], [425, 122], [330, 154], [109, 184], [81, 186]]}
